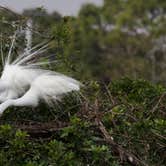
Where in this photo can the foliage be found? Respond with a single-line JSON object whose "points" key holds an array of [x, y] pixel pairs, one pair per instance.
{"points": [[131, 111]]}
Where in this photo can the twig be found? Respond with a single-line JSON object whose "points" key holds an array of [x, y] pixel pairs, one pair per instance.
{"points": [[109, 94], [124, 154], [10, 11], [158, 103], [42, 130]]}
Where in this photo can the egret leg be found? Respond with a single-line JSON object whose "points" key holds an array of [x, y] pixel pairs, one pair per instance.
{"points": [[30, 98]]}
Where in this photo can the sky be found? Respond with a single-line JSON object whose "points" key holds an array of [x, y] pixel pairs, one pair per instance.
{"points": [[64, 7]]}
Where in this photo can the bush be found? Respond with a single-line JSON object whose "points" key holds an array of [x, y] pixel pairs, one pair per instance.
{"points": [[122, 124]]}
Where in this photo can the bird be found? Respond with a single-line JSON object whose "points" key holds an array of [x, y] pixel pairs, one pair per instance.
{"points": [[24, 82]]}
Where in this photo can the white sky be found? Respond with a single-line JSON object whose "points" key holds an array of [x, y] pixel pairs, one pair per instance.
{"points": [[64, 7]]}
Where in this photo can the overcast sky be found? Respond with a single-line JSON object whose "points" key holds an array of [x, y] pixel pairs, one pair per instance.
{"points": [[65, 7]]}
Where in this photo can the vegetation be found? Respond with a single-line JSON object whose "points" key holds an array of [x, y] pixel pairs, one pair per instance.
{"points": [[123, 124], [118, 52]]}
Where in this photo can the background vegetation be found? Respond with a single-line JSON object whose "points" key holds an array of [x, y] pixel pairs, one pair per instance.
{"points": [[118, 51]]}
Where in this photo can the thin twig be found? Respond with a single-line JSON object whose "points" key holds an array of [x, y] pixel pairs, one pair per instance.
{"points": [[158, 103]]}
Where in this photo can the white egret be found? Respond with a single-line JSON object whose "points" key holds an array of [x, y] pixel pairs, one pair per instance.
{"points": [[25, 83]]}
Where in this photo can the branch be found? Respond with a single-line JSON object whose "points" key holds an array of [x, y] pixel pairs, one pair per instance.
{"points": [[123, 153], [158, 103], [41, 130]]}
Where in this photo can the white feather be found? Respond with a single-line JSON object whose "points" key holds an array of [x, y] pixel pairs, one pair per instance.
{"points": [[25, 84]]}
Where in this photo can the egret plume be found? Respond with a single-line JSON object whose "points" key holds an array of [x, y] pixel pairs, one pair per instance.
{"points": [[25, 83]]}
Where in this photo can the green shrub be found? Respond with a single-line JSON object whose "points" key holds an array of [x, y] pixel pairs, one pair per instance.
{"points": [[131, 112]]}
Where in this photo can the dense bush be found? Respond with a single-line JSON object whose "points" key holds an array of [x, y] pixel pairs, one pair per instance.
{"points": [[119, 124]]}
